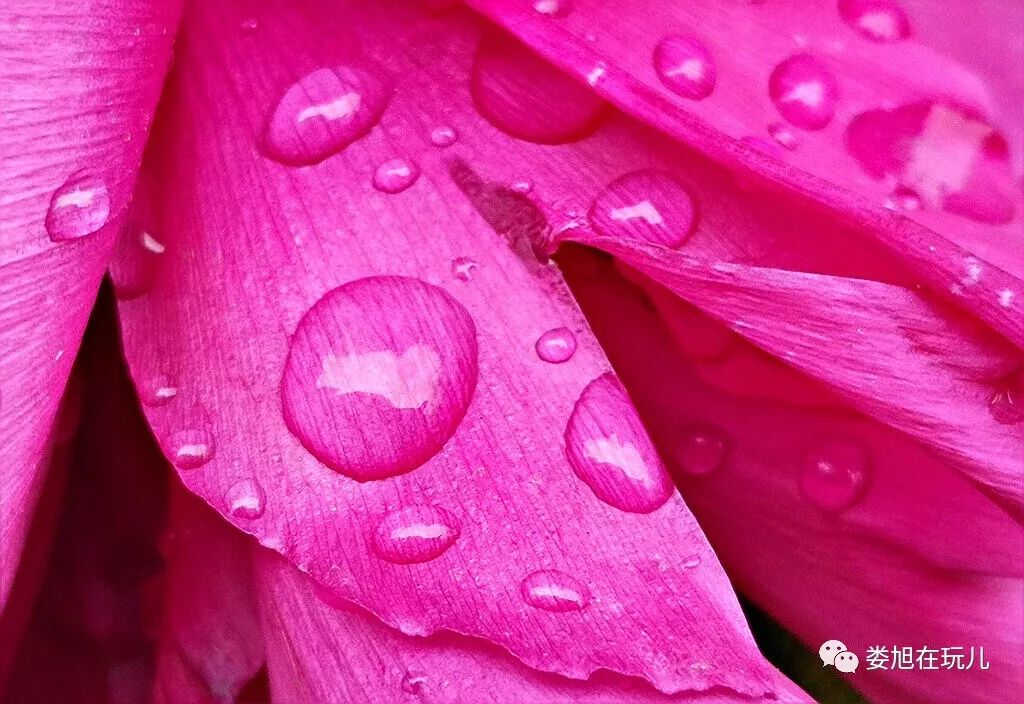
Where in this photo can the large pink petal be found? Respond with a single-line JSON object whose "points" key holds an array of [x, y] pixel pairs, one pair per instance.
{"points": [[79, 87], [314, 332]]}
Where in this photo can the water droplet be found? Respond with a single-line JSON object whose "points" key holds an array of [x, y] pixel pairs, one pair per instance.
{"points": [[1007, 404], [804, 92], [245, 499], [648, 205], [462, 268], [878, 20], [553, 590], [609, 449], [250, 25], [524, 186], [553, 8], [783, 135], [685, 65], [834, 474], [413, 682], [135, 262], [415, 534], [556, 346], [379, 374], [324, 113], [158, 391], [78, 208], [443, 136], [190, 448], [395, 175], [526, 97], [903, 198], [701, 449], [692, 562]]}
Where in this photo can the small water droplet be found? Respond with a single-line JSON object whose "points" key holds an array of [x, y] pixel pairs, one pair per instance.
{"points": [[804, 91], [903, 198], [556, 346], [415, 534], [413, 682], [245, 499], [692, 562], [158, 391], [685, 65], [609, 449], [834, 474], [553, 8], [1007, 404], [553, 590], [462, 268], [395, 175], [524, 186], [323, 113], [648, 205], [250, 25], [783, 135], [878, 20], [78, 208], [443, 136], [190, 448], [701, 449]]}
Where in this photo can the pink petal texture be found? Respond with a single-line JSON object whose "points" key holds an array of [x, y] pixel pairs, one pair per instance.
{"points": [[868, 108], [311, 336], [883, 545], [70, 149]]}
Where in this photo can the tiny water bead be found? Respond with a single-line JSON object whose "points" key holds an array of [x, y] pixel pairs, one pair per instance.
{"points": [[395, 175], [323, 113], [608, 448], [878, 20], [462, 268], [701, 449], [158, 391], [552, 590], [648, 205], [553, 8], [78, 208], [190, 448], [685, 66], [415, 534], [443, 136], [380, 372], [804, 91], [834, 474], [783, 136], [903, 198], [245, 499], [556, 346]]}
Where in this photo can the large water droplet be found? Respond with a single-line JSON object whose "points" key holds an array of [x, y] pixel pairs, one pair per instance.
{"points": [[78, 208], [379, 374], [701, 449], [324, 113], [609, 449], [526, 97], [685, 65], [834, 474], [553, 590], [878, 20], [804, 92], [556, 346], [648, 205], [415, 534], [190, 448], [245, 499], [395, 175]]}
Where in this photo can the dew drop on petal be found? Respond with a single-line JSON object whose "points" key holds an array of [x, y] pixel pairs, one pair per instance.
{"points": [[395, 175], [413, 681], [248, 26], [443, 136], [380, 372], [190, 448], [834, 474], [135, 262], [903, 198], [245, 499], [553, 8], [1007, 404], [553, 590], [524, 186], [415, 534], [878, 20], [608, 448], [648, 205], [158, 390], [78, 208], [556, 346], [783, 136], [804, 91], [323, 113], [701, 449], [462, 268], [685, 65]]}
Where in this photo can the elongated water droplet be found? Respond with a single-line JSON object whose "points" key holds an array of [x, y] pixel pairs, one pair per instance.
{"points": [[834, 474], [78, 208], [1007, 404], [609, 449], [415, 534], [553, 590], [701, 449], [245, 499], [324, 113], [443, 136], [649, 205], [395, 175], [136, 260], [804, 91], [379, 374], [553, 8], [556, 346], [190, 448], [685, 65], [878, 20]]}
